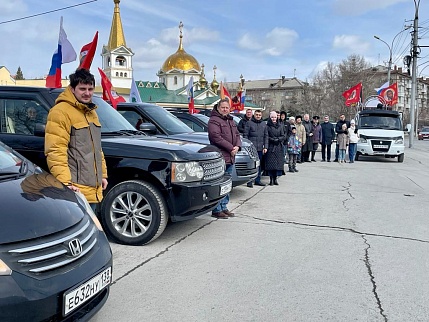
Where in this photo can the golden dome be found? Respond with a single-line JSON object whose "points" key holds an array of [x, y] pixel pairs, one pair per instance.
{"points": [[180, 59]]}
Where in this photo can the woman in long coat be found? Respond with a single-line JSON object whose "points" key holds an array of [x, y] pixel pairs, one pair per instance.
{"points": [[274, 158]]}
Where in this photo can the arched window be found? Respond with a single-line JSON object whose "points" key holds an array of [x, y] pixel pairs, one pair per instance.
{"points": [[108, 61], [117, 74], [121, 74], [125, 74], [175, 80], [120, 61]]}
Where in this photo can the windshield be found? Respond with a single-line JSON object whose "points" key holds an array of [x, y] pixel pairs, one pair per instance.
{"points": [[167, 121], [9, 162], [110, 119], [203, 118], [389, 122]]}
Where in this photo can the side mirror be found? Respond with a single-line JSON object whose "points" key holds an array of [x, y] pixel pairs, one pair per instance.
{"points": [[148, 128], [39, 129]]}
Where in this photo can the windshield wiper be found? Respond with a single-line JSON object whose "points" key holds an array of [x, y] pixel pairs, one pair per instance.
{"points": [[121, 132]]}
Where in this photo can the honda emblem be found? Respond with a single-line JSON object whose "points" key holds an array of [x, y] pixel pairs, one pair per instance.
{"points": [[75, 247]]}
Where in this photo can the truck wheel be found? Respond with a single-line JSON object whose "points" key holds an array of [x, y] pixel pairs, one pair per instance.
{"points": [[401, 157], [134, 213]]}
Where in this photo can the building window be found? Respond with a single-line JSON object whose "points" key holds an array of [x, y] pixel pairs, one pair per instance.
{"points": [[125, 74], [120, 61], [117, 74], [175, 80], [121, 74]]}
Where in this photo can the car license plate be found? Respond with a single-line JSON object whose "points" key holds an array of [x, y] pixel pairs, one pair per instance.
{"points": [[225, 188], [81, 294], [379, 146]]}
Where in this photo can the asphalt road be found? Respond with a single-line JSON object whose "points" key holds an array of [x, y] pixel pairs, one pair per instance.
{"points": [[334, 242]]}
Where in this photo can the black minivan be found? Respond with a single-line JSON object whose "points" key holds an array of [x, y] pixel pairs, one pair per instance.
{"points": [[55, 260]]}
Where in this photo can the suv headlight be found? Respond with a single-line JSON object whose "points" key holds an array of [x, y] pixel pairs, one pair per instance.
{"points": [[362, 140], [82, 200], [4, 269], [186, 172], [399, 141]]}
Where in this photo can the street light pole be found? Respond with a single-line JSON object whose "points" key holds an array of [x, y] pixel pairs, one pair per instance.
{"points": [[390, 56], [390, 51], [414, 54]]}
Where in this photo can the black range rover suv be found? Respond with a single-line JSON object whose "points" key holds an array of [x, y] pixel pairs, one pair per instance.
{"points": [[150, 179]]}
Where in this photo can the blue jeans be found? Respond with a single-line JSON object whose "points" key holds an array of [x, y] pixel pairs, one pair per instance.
{"points": [[93, 206], [341, 154], [352, 151], [223, 203]]}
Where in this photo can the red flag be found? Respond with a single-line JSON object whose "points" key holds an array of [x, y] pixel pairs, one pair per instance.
{"points": [[224, 93], [87, 53], [353, 94], [236, 102], [390, 94], [109, 94]]}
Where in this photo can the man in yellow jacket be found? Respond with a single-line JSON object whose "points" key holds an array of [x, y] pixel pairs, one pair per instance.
{"points": [[73, 139]]}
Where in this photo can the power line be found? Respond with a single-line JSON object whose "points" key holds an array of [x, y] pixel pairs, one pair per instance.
{"points": [[46, 12]]}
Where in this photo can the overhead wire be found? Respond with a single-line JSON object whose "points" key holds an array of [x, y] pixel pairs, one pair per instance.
{"points": [[46, 12]]}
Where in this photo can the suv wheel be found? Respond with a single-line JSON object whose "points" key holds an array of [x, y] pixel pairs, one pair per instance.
{"points": [[357, 156], [134, 213], [401, 157]]}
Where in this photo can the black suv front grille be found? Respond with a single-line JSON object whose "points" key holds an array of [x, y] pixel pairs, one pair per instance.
{"points": [[213, 169], [47, 256]]}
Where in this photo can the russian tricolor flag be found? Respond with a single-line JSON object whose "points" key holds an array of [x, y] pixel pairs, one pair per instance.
{"points": [[65, 53]]}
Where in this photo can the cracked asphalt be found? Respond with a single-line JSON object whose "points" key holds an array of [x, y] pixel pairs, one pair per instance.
{"points": [[334, 242]]}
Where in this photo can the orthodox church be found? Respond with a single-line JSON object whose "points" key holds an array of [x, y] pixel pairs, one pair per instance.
{"points": [[173, 78]]}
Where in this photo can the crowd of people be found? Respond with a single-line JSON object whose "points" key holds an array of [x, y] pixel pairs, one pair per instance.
{"points": [[299, 138], [278, 140]]}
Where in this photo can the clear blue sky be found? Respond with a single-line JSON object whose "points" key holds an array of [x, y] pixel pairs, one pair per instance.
{"points": [[258, 39]]}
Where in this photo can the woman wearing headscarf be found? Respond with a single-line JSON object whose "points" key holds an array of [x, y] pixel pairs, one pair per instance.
{"points": [[274, 158]]}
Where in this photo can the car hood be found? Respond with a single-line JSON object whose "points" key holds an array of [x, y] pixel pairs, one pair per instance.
{"points": [[156, 148], [381, 133], [34, 206], [199, 137]]}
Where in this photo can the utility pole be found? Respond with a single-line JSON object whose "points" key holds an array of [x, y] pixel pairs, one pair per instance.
{"points": [[414, 55]]}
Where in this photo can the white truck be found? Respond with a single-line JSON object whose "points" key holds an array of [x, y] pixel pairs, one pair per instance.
{"points": [[380, 133]]}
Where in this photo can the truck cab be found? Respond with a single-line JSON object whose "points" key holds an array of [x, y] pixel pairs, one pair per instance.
{"points": [[380, 134]]}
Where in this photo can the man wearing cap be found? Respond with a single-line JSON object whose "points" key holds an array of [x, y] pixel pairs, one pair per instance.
{"points": [[317, 136], [328, 134]]}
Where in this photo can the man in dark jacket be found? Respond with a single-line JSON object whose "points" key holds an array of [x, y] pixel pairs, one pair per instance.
{"points": [[328, 134], [338, 130], [255, 132], [223, 134], [308, 145], [244, 120]]}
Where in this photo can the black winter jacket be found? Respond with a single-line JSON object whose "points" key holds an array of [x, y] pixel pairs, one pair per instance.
{"points": [[255, 132]]}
